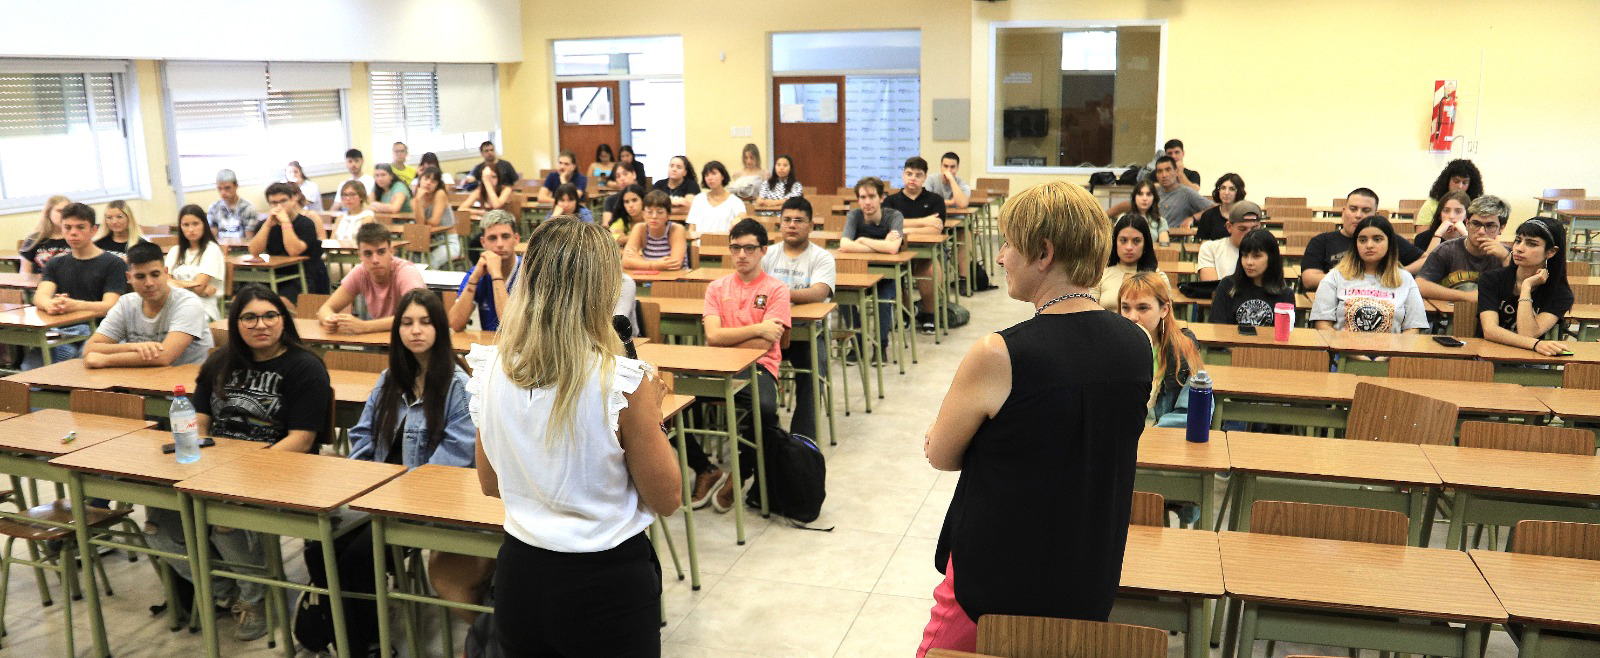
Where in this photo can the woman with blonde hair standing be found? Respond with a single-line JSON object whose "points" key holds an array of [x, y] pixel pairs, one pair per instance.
{"points": [[569, 436], [1073, 367]]}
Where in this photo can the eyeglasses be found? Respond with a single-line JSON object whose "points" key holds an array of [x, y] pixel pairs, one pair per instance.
{"points": [[743, 248], [1487, 227], [263, 320], [796, 220]]}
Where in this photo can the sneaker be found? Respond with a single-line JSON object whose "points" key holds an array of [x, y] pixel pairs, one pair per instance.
{"points": [[704, 484], [723, 501], [252, 621], [925, 323]]}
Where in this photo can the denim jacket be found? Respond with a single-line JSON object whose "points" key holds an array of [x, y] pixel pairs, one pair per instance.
{"points": [[455, 449]]}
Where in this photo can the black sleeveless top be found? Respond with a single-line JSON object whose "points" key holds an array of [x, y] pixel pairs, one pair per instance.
{"points": [[1040, 515]]}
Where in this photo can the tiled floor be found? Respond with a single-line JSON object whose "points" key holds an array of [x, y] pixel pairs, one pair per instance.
{"points": [[862, 589]]}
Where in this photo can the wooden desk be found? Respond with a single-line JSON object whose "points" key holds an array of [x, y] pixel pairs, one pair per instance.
{"points": [[1570, 403], [40, 433], [1258, 395], [1475, 398], [28, 327], [1501, 487], [1278, 467], [1169, 562], [897, 268], [1179, 470], [249, 269], [61, 377], [28, 282], [1386, 344], [1284, 582], [1215, 337], [278, 493], [1543, 592]]}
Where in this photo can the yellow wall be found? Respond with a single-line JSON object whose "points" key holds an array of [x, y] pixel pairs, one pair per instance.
{"points": [[1314, 98]]}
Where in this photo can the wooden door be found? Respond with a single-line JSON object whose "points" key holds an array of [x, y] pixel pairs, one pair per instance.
{"points": [[809, 129], [587, 113]]}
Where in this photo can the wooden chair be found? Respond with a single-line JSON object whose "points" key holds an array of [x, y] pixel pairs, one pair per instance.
{"points": [[833, 223], [713, 239], [1385, 414], [15, 397], [1458, 370], [1168, 254], [308, 304], [1313, 521], [1288, 212], [650, 321], [373, 362], [1297, 225], [1000, 186], [680, 289], [419, 241], [1557, 539], [1526, 438], [1585, 293], [1410, 206], [1464, 322], [1297, 239], [1042, 637], [1565, 192], [166, 242], [1148, 509], [1281, 358], [106, 403], [1291, 201], [1579, 375]]}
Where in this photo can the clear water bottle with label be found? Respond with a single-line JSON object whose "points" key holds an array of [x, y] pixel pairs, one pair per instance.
{"points": [[185, 429], [1199, 427]]}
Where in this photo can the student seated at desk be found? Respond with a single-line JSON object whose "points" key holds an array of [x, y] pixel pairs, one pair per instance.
{"points": [[566, 173], [809, 272], [353, 198], [353, 163], [568, 202], [45, 242], [1218, 257], [263, 385], [622, 179], [390, 194], [923, 213], [1449, 221], [749, 308], [119, 230], [1538, 275], [1256, 287], [1147, 301], [488, 286], [160, 326], [433, 209], [289, 233], [872, 228], [1145, 201], [1132, 251], [604, 163], [780, 186], [507, 173], [294, 173], [312, 213], [431, 159], [1181, 202], [715, 209], [494, 193], [1213, 222], [196, 263], [748, 182], [628, 210], [86, 279], [948, 184], [1458, 175], [1369, 291], [1326, 250], [380, 280], [232, 216], [679, 185], [417, 414], [626, 160], [1462, 260], [657, 243]]}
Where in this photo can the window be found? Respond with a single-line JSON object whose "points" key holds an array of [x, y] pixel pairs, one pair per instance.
{"points": [[253, 118], [632, 56], [447, 108], [1075, 97], [65, 129], [648, 105]]}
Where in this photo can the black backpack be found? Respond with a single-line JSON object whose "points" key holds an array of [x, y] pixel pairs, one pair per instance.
{"points": [[1131, 176], [1101, 178], [796, 476], [313, 623]]}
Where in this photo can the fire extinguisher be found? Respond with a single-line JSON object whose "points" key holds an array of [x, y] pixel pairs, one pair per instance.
{"points": [[1444, 115]]}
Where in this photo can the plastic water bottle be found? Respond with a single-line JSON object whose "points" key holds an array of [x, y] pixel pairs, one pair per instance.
{"points": [[1199, 428], [185, 434]]}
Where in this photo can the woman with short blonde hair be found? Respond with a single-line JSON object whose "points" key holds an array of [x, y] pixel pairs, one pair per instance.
{"points": [[118, 229], [1074, 368]]}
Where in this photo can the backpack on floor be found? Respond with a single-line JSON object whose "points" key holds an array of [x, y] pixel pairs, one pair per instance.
{"points": [[956, 315], [313, 623], [481, 641], [980, 281], [797, 476]]}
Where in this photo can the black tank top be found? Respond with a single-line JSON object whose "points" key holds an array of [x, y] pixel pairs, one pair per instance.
{"points": [[1040, 515]]}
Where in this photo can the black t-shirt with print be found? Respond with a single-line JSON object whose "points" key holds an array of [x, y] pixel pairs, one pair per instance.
{"points": [[42, 251], [1250, 305], [686, 188], [926, 204], [267, 400], [1497, 291], [1326, 250]]}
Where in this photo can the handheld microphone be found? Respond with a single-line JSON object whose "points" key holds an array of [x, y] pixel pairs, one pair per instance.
{"points": [[624, 329]]}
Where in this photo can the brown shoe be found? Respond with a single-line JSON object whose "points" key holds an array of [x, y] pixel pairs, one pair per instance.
{"points": [[704, 484], [723, 501]]}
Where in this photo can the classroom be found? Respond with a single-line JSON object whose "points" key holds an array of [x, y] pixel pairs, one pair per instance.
{"points": [[276, 278]]}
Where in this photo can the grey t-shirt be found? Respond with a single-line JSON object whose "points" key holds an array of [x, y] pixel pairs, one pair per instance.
{"points": [[936, 185], [813, 266], [1180, 203], [857, 226], [88, 280], [1451, 265], [127, 323]]}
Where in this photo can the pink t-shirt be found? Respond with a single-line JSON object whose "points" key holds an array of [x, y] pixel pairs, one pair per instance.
{"points": [[380, 299], [740, 304]]}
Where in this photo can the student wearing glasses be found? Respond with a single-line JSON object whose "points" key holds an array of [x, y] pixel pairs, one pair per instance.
{"points": [[809, 271], [1458, 262], [655, 243], [289, 233]]}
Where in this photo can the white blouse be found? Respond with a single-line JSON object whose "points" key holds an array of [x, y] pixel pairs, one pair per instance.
{"points": [[349, 224], [570, 493], [707, 218], [206, 261]]}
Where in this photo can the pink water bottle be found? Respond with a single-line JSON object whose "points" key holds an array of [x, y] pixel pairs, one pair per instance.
{"points": [[1282, 320]]}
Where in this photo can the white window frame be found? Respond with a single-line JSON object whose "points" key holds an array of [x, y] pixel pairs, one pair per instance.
{"points": [[133, 131], [994, 58], [469, 151]]}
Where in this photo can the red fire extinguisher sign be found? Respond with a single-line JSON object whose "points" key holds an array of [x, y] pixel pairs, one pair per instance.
{"points": [[1444, 116]]}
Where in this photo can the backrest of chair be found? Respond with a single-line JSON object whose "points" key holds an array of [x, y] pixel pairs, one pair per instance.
{"points": [[1300, 225], [1464, 322], [1411, 206], [1581, 375], [1384, 414], [1297, 239], [1285, 201], [831, 222], [1577, 204], [679, 289], [374, 362], [1459, 370], [650, 320], [1557, 539], [1280, 358], [12, 296], [1526, 438], [106, 403], [843, 266], [1148, 509], [307, 305], [1001, 185], [1288, 212], [1585, 293], [166, 242], [1041, 637], [1371, 526], [15, 397], [418, 236], [714, 239], [1564, 192], [1168, 254]]}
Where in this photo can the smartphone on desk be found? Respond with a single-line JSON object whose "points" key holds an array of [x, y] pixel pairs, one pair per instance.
{"points": [[1448, 341], [1247, 330], [205, 442]]}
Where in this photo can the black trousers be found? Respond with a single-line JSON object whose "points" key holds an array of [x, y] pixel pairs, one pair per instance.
{"points": [[696, 456], [550, 604], [353, 551]]}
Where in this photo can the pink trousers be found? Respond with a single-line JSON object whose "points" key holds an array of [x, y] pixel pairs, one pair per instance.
{"points": [[949, 627]]}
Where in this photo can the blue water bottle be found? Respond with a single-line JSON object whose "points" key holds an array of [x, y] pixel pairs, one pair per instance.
{"points": [[1199, 428]]}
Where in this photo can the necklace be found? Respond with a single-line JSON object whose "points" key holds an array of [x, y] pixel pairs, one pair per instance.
{"points": [[1063, 298]]}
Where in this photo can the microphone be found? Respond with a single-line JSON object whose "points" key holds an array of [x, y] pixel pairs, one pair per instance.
{"points": [[624, 329]]}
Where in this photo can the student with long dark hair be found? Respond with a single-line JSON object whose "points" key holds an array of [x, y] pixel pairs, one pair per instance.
{"points": [[569, 435], [627, 211], [1145, 201], [196, 263], [1213, 222], [626, 160], [603, 163], [1369, 290], [1256, 286], [780, 186], [1132, 251], [1521, 302], [1449, 221], [492, 193], [417, 414], [680, 184], [390, 194], [1459, 175]]}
